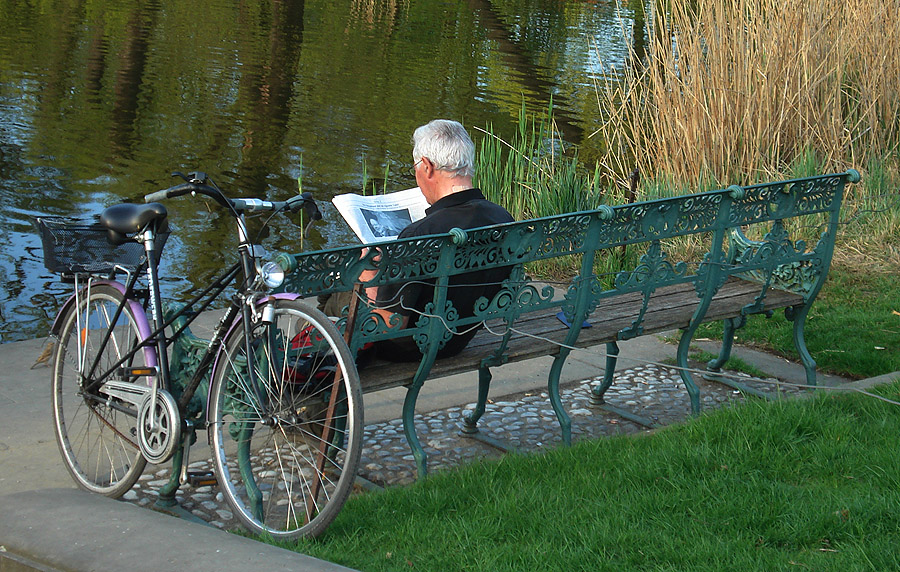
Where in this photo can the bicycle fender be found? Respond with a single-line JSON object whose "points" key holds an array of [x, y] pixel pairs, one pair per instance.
{"points": [[136, 309], [57, 321]]}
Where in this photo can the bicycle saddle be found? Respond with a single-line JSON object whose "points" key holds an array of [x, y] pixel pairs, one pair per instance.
{"points": [[128, 218]]}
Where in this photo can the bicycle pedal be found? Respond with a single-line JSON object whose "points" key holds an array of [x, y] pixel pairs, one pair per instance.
{"points": [[202, 478]]}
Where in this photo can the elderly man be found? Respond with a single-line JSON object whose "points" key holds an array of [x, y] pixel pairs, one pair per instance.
{"points": [[444, 163]]}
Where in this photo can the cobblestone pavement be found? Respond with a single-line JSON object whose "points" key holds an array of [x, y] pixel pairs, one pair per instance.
{"points": [[523, 421]]}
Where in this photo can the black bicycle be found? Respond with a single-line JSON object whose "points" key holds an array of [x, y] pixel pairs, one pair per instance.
{"points": [[283, 409]]}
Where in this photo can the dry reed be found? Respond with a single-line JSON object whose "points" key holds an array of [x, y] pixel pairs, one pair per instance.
{"points": [[738, 91]]}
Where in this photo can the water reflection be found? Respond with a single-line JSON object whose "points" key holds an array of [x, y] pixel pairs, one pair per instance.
{"points": [[100, 100]]}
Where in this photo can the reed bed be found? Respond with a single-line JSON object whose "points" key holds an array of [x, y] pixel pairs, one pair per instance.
{"points": [[745, 91], [739, 91], [536, 173]]}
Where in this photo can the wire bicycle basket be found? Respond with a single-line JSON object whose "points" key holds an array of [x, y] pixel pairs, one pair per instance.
{"points": [[74, 246]]}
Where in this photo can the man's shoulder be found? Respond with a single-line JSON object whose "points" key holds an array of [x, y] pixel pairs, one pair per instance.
{"points": [[486, 212], [472, 211], [495, 210]]}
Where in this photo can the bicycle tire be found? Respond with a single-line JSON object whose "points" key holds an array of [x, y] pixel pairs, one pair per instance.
{"points": [[283, 471], [96, 433]]}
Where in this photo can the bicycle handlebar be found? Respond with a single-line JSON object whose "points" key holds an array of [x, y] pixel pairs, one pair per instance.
{"points": [[196, 184], [293, 204]]}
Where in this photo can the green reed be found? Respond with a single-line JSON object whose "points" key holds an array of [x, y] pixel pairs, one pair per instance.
{"points": [[536, 174]]}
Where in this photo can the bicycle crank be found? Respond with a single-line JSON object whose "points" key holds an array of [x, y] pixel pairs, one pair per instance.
{"points": [[159, 426]]}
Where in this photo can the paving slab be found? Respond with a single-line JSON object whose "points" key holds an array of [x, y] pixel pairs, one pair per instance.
{"points": [[72, 530]]}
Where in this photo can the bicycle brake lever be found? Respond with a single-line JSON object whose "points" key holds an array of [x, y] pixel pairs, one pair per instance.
{"points": [[197, 178], [310, 207], [180, 174], [308, 228]]}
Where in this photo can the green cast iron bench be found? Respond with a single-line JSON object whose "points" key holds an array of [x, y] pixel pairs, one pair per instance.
{"points": [[724, 276]]}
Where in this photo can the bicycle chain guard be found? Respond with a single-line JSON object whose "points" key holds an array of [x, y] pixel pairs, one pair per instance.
{"points": [[159, 427]]}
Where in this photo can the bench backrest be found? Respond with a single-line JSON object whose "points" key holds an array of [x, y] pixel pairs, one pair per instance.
{"points": [[640, 237]]}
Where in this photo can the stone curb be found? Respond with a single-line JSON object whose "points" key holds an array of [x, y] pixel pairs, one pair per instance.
{"points": [[67, 529]]}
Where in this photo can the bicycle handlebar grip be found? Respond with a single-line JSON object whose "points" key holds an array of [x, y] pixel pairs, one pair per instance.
{"points": [[251, 204], [175, 191], [156, 197]]}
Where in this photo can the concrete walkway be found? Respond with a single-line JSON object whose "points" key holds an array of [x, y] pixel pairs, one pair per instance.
{"points": [[48, 524]]}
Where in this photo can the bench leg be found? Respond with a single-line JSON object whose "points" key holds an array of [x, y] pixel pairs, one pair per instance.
{"points": [[682, 362], [166, 502], [470, 419], [565, 423], [798, 316], [167, 492], [730, 326], [409, 429], [598, 391]]}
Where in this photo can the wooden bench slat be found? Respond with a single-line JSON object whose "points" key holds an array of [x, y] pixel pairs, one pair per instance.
{"points": [[670, 308]]}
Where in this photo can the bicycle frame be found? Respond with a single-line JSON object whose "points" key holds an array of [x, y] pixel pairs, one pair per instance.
{"points": [[154, 343]]}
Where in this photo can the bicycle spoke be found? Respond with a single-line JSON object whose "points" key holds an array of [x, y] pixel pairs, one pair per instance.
{"points": [[272, 468], [96, 432]]}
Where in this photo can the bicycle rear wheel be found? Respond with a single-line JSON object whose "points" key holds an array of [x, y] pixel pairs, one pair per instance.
{"points": [[96, 433], [286, 423]]}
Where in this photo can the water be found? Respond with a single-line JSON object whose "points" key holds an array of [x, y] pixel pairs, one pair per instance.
{"points": [[100, 101]]}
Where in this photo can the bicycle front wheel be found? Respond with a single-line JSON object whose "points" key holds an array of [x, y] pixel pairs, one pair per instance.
{"points": [[286, 422], [96, 433]]}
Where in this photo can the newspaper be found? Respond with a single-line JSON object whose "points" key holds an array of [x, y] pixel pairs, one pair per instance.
{"points": [[381, 217]]}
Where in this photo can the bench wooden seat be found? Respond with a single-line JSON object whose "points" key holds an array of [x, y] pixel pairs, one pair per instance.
{"points": [[669, 309]]}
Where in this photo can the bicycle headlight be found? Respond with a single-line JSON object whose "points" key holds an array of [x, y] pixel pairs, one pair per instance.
{"points": [[272, 274]]}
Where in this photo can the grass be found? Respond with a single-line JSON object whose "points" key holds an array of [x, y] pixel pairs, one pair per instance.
{"points": [[802, 484], [735, 364]]}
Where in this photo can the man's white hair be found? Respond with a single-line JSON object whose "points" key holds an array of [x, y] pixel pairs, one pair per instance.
{"points": [[447, 145]]}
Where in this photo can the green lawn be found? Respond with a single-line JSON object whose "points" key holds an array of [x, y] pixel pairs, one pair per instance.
{"points": [[793, 485]]}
